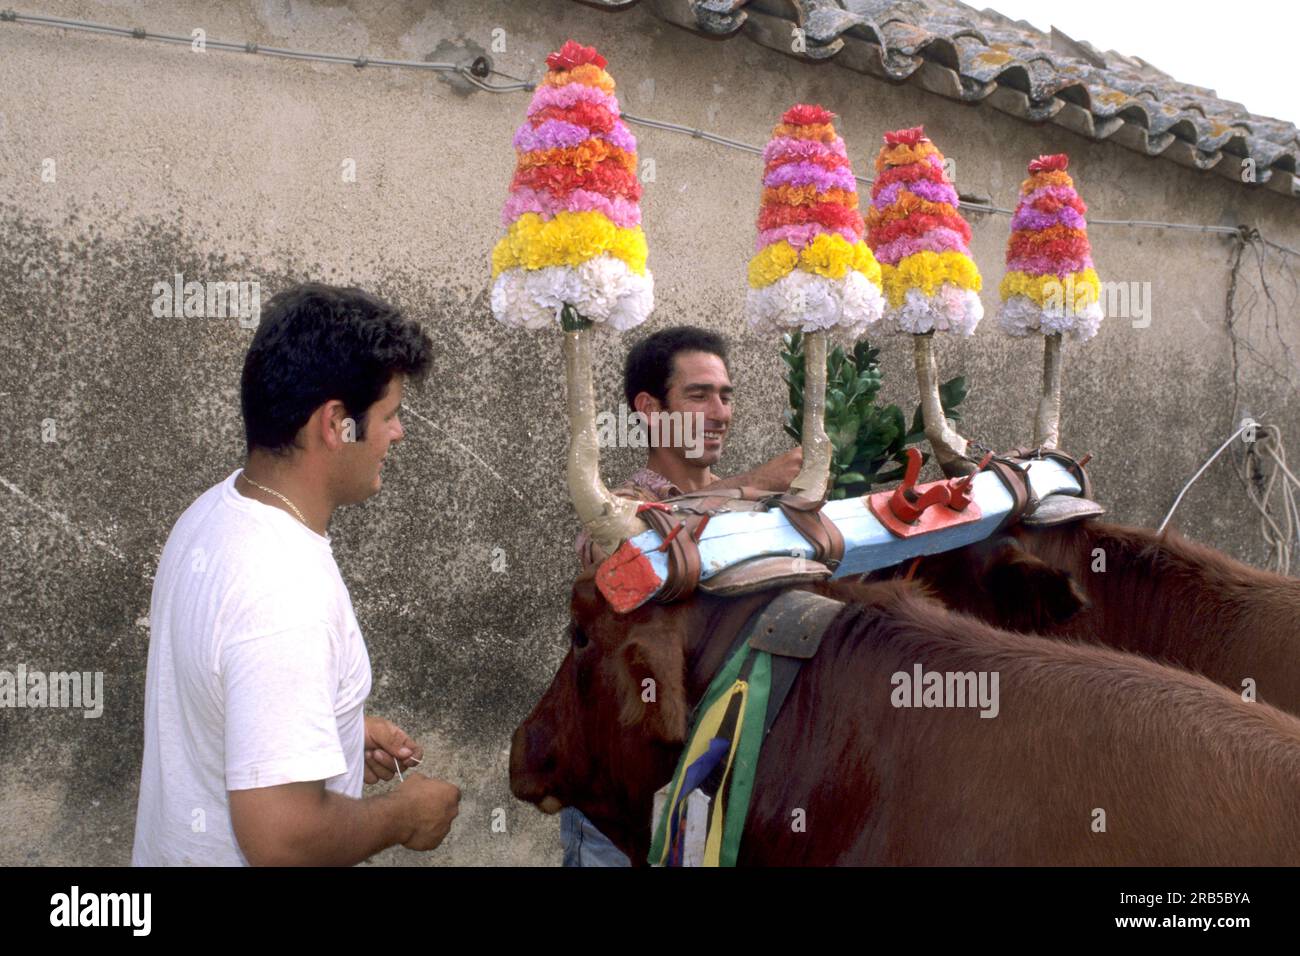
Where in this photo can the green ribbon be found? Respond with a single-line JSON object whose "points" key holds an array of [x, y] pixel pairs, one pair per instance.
{"points": [[747, 745]]}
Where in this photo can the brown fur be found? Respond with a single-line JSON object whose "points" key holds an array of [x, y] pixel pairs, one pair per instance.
{"points": [[1186, 772]]}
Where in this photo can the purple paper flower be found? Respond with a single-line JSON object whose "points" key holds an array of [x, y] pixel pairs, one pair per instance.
{"points": [[805, 174]]}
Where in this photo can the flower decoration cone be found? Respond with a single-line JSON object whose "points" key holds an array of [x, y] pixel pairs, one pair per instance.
{"points": [[811, 270], [1050, 285], [930, 280], [922, 242], [573, 219]]}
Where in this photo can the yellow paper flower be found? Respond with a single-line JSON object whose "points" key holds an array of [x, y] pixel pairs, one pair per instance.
{"points": [[771, 263], [567, 239], [927, 271], [502, 257], [1084, 287], [864, 261], [827, 255]]}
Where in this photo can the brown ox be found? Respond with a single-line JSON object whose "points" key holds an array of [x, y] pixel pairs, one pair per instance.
{"points": [[1184, 770], [1136, 590]]}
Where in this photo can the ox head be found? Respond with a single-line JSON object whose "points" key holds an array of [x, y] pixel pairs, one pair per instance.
{"points": [[608, 731], [1002, 582]]}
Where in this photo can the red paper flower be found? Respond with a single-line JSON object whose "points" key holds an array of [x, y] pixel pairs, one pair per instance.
{"points": [[909, 137], [830, 215], [574, 54], [1055, 203], [806, 115], [1057, 161], [908, 173], [917, 224], [594, 116], [607, 178], [1022, 244]]}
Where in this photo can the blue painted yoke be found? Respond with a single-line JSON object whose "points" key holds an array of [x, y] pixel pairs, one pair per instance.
{"points": [[734, 537]]}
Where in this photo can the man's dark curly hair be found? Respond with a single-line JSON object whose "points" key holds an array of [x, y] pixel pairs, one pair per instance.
{"points": [[650, 363], [318, 342]]}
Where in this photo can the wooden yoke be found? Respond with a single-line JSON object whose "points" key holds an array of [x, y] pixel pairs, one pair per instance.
{"points": [[681, 521]]}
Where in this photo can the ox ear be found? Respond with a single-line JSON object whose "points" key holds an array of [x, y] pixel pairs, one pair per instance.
{"points": [[652, 687], [1028, 593]]}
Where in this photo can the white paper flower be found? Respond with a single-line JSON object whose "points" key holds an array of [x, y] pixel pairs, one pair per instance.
{"points": [[514, 305], [950, 309], [635, 302], [1020, 315], [603, 290], [810, 302], [863, 305]]}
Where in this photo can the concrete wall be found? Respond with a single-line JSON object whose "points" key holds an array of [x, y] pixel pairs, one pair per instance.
{"points": [[228, 167]]}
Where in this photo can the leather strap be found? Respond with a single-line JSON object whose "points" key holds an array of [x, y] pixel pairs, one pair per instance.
{"points": [[791, 630], [1017, 483], [792, 624], [683, 555], [806, 517], [1069, 461], [1072, 465], [744, 493], [790, 627], [684, 561]]}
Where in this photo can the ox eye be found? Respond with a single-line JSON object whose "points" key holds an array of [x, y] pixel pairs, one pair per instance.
{"points": [[579, 637]]}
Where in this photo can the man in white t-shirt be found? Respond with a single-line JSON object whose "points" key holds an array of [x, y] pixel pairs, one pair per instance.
{"points": [[256, 742]]}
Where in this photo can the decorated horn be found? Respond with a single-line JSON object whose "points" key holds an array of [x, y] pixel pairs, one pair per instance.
{"points": [[811, 271], [949, 447], [1047, 423], [930, 281], [1050, 285], [609, 519], [816, 470], [574, 252]]}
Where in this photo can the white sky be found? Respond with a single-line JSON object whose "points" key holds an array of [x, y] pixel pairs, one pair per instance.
{"points": [[1242, 50]]}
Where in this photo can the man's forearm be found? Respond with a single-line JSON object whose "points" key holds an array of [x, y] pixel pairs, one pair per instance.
{"points": [[364, 826], [332, 830], [350, 830], [752, 479]]}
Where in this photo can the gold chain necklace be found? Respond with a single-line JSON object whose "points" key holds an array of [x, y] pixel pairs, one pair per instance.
{"points": [[272, 491]]}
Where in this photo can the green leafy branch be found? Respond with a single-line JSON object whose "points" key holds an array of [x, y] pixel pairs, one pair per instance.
{"points": [[868, 441]]}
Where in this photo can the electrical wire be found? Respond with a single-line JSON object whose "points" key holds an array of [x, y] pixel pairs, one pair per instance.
{"points": [[1281, 539], [1246, 423], [476, 73]]}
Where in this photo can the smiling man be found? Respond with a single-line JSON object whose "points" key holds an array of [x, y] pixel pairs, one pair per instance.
{"points": [[679, 371], [256, 742]]}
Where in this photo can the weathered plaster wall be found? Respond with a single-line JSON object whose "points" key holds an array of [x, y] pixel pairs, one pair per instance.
{"points": [[228, 167]]}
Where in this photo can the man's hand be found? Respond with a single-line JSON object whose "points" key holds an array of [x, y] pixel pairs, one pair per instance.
{"points": [[776, 475], [430, 806], [387, 747]]}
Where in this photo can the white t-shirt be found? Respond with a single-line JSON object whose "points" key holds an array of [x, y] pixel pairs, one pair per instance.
{"points": [[258, 675]]}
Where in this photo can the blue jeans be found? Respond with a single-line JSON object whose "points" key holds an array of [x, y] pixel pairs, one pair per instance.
{"points": [[584, 845]]}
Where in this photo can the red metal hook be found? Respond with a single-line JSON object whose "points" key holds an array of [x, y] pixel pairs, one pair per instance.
{"points": [[960, 487], [905, 503]]}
